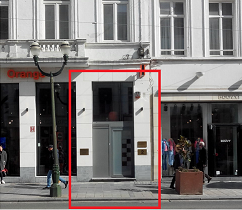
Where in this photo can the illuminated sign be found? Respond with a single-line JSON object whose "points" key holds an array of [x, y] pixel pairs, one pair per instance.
{"points": [[22, 74], [225, 140]]}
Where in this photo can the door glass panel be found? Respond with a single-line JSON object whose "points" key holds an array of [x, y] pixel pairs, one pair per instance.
{"points": [[117, 152], [226, 150]]}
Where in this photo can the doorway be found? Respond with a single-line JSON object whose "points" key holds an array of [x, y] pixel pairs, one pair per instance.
{"points": [[223, 149]]}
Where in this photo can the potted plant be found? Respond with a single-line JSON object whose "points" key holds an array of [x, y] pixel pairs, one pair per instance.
{"points": [[188, 181]]}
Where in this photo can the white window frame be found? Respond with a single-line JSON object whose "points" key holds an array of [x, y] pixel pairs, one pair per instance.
{"points": [[172, 16], [220, 17], [115, 35], [56, 5]]}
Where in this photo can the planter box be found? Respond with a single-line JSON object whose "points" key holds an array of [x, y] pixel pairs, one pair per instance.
{"points": [[189, 183]]}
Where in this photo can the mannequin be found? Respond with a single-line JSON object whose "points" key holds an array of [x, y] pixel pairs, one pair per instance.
{"points": [[165, 149], [196, 145], [171, 151]]}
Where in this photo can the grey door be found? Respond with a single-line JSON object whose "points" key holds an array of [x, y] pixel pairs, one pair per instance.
{"points": [[100, 152]]}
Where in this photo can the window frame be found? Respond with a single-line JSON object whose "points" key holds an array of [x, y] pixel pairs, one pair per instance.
{"points": [[171, 17], [4, 3], [220, 16], [115, 3], [57, 5]]}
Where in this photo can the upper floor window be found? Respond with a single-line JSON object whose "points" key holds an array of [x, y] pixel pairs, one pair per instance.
{"points": [[221, 28], [57, 19], [115, 20], [172, 21], [4, 19]]}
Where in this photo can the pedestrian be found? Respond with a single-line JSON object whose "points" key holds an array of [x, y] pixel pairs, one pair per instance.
{"points": [[202, 160], [3, 161], [50, 160], [177, 164]]}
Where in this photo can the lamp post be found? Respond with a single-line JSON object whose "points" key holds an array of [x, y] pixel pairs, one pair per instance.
{"points": [[55, 190]]}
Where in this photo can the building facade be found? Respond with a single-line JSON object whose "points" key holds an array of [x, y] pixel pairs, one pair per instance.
{"points": [[196, 44]]}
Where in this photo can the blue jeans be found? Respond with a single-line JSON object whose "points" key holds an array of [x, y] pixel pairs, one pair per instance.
{"points": [[49, 175], [164, 160]]}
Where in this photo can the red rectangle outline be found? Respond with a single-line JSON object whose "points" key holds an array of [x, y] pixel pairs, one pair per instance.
{"points": [[159, 144]]}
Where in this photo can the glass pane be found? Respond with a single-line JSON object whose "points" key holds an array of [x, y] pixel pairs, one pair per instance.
{"points": [[226, 162], [108, 22], [112, 101], [165, 33], [213, 9], [214, 52], [9, 132], [214, 33], [44, 126], [178, 8], [179, 33], [117, 152], [228, 53], [225, 113], [165, 8], [226, 9], [122, 22], [227, 33], [3, 22], [179, 52], [64, 22], [165, 52], [49, 22]]}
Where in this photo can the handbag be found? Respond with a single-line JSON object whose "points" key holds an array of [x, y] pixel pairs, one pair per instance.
{"points": [[4, 172]]}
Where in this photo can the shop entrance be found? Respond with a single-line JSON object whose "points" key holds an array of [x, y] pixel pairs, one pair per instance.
{"points": [[224, 155]]}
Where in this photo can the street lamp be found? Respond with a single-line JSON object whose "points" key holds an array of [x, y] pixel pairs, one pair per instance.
{"points": [[55, 190]]}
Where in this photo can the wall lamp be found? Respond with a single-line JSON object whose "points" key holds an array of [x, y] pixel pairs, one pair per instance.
{"points": [[165, 108], [27, 109], [199, 74]]}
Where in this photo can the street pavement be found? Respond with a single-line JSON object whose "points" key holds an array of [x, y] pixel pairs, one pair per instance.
{"points": [[118, 191]]}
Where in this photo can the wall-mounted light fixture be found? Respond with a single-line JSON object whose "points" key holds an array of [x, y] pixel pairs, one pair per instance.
{"points": [[141, 109], [165, 108], [191, 108], [83, 109], [27, 109], [141, 52], [199, 74]]}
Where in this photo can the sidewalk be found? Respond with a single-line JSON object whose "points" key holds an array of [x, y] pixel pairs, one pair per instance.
{"points": [[133, 190]]}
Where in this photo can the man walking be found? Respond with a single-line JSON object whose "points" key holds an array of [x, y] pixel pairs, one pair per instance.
{"points": [[3, 161], [202, 160], [50, 168]]}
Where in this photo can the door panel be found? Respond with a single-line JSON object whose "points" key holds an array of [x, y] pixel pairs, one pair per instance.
{"points": [[100, 152], [117, 153]]}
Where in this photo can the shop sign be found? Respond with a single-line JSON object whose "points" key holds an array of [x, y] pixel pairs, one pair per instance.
{"points": [[225, 140], [32, 128], [228, 97], [22, 74]]}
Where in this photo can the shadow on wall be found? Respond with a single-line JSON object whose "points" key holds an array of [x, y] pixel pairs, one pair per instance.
{"points": [[187, 84], [235, 86]]}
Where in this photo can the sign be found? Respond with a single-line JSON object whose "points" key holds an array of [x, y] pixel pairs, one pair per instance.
{"points": [[142, 151], [32, 128], [228, 97], [22, 74], [84, 151], [225, 140], [141, 144]]}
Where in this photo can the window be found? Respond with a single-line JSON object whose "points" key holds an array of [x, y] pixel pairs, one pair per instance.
{"points": [[3, 19], [221, 28], [115, 20], [57, 19], [172, 20]]}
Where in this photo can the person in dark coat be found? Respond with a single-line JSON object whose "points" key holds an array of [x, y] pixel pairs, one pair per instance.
{"points": [[202, 160], [50, 168], [177, 164], [3, 161]]}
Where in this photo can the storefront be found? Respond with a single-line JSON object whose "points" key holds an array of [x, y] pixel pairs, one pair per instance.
{"points": [[109, 126], [217, 122]]}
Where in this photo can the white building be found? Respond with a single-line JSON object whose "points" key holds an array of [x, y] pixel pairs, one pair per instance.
{"points": [[196, 44]]}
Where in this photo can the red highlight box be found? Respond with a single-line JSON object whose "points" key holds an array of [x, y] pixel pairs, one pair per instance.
{"points": [[159, 141]]}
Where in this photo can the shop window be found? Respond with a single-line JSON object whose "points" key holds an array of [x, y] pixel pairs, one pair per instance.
{"points": [[221, 28], [112, 101], [4, 19], [115, 19], [224, 113], [172, 24], [9, 136], [57, 19], [45, 129]]}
